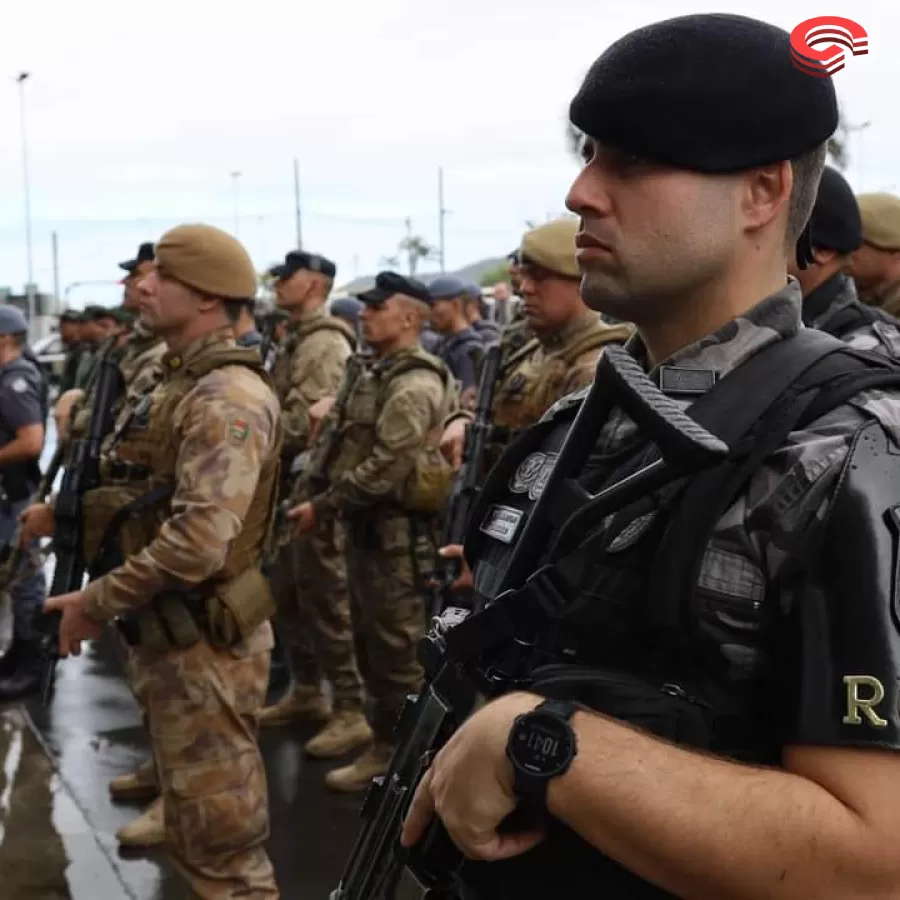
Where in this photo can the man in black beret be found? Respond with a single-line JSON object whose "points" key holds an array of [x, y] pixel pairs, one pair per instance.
{"points": [[715, 711], [830, 302]]}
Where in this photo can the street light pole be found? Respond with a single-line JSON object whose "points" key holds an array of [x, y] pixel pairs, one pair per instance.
{"points": [[234, 196], [26, 190], [860, 129]]}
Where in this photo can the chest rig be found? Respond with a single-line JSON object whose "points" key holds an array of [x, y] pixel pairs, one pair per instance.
{"points": [[138, 470], [534, 378], [351, 434], [608, 613], [284, 362]]}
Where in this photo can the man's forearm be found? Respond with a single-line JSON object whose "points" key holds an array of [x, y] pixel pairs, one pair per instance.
{"points": [[17, 450], [709, 829]]}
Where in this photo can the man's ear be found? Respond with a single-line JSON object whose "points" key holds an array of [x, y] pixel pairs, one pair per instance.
{"points": [[766, 190]]}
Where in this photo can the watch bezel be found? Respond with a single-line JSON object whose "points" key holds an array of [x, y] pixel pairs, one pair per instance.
{"points": [[525, 721]]}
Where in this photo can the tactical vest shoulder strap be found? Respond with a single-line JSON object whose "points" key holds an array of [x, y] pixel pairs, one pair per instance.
{"points": [[593, 339], [832, 380], [328, 323], [228, 356], [853, 316], [529, 347]]}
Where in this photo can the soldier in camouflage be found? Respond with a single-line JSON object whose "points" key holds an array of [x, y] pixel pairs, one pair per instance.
{"points": [[311, 577], [562, 356], [196, 463], [876, 265], [378, 469], [829, 293]]}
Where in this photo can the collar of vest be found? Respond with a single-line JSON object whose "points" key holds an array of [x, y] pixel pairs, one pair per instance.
{"points": [[211, 352], [820, 301]]}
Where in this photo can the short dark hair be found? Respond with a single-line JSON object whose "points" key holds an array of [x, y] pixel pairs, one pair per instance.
{"points": [[807, 170]]}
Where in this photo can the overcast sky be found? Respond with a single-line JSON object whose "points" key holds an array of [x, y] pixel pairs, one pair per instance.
{"points": [[139, 113]]}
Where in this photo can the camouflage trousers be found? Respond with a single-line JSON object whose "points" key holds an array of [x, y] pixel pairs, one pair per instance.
{"points": [[388, 610], [202, 708], [314, 614]]}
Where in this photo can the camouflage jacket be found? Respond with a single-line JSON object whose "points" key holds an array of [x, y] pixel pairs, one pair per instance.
{"points": [[309, 367], [836, 294], [788, 497], [886, 297], [385, 422], [225, 427]]}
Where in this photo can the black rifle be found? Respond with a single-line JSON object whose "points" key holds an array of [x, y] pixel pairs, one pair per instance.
{"points": [[467, 484], [268, 337], [462, 661], [82, 473]]}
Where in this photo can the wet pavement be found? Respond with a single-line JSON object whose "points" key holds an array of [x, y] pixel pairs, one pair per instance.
{"points": [[57, 823]]}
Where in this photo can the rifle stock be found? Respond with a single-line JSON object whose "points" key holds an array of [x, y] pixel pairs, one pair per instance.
{"points": [[82, 473]]}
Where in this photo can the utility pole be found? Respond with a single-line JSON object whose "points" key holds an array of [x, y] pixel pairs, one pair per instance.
{"points": [[55, 250], [297, 203], [442, 213], [234, 198], [410, 250], [859, 129], [26, 190]]}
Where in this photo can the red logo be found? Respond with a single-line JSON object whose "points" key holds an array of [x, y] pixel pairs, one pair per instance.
{"points": [[832, 31]]}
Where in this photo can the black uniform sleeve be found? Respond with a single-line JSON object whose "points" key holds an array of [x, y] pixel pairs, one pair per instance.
{"points": [[842, 650], [20, 401]]}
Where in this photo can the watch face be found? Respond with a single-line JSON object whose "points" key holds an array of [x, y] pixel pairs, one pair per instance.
{"points": [[542, 744]]}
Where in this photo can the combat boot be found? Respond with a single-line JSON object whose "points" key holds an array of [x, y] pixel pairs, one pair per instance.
{"points": [[136, 787], [296, 706], [348, 730], [359, 774], [147, 830]]}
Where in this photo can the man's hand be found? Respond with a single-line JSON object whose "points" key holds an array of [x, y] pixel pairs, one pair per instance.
{"points": [[317, 414], [36, 521], [75, 626], [470, 786], [303, 517], [452, 442], [62, 412], [465, 581]]}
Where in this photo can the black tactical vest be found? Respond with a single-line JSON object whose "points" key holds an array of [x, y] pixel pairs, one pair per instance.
{"points": [[611, 616]]}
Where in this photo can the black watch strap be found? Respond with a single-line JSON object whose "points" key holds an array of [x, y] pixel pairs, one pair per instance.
{"points": [[531, 786]]}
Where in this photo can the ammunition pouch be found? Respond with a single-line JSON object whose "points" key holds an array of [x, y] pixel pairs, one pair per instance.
{"points": [[428, 486], [224, 613]]}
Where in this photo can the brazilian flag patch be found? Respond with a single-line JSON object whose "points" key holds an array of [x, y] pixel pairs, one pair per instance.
{"points": [[239, 430]]}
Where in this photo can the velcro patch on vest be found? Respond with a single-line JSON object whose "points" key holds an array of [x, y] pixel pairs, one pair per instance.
{"points": [[532, 474], [631, 533], [239, 430], [502, 522], [676, 380]]}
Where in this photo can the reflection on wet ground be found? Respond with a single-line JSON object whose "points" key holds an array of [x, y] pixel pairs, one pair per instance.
{"points": [[57, 823]]}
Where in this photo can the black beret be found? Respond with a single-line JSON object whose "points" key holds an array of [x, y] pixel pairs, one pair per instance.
{"points": [[146, 253], [835, 223], [298, 261], [387, 284], [95, 313], [70, 315], [711, 93]]}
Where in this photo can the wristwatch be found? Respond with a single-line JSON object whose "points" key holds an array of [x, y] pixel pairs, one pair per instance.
{"points": [[541, 746]]}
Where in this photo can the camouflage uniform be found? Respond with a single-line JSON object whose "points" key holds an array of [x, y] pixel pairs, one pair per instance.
{"points": [[544, 370], [195, 602], [311, 579], [839, 293], [387, 482], [885, 296]]}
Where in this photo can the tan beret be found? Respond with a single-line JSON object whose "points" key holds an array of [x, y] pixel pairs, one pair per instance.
{"points": [[553, 247], [209, 260], [880, 220]]}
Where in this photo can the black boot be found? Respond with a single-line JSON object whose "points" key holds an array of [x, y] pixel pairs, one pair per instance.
{"points": [[25, 679], [10, 660], [279, 673]]}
